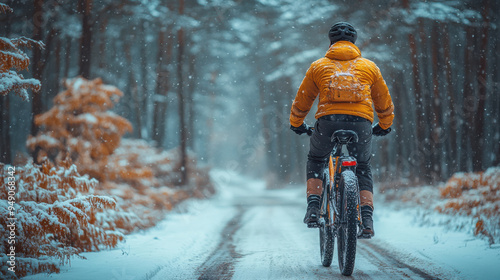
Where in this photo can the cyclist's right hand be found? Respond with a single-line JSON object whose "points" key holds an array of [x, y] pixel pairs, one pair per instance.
{"points": [[303, 128]]}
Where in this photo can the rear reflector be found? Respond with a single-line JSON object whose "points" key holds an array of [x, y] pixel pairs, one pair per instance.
{"points": [[349, 163]]}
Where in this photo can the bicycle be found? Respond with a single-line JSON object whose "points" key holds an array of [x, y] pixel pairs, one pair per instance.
{"points": [[339, 205]]}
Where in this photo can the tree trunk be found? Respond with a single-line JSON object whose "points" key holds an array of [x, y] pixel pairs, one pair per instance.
{"points": [[144, 89], [49, 41], [436, 144], [162, 87], [102, 42], [37, 66], [85, 8], [450, 115], [427, 146], [191, 104], [283, 141], [182, 117], [134, 88], [57, 72], [468, 101], [67, 59], [496, 104], [478, 147], [134, 91], [399, 109], [5, 148], [418, 155], [265, 125], [406, 4]]}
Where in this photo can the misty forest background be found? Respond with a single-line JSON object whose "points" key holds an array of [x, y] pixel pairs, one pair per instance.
{"points": [[218, 77]]}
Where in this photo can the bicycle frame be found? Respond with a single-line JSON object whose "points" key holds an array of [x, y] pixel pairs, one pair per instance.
{"points": [[338, 162], [340, 192]]}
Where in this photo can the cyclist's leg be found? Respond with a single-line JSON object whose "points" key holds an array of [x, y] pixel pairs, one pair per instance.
{"points": [[362, 152], [320, 148]]}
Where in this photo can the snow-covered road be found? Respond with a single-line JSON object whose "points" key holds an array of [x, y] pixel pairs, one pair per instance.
{"points": [[248, 232]]}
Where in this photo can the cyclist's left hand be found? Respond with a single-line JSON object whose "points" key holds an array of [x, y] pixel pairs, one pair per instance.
{"points": [[303, 128], [378, 131]]}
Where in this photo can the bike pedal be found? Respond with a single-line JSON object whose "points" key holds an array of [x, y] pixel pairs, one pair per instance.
{"points": [[364, 235], [313, 225]]}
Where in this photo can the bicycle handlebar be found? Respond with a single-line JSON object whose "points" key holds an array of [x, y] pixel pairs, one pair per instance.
{"points": [[388, 130]]}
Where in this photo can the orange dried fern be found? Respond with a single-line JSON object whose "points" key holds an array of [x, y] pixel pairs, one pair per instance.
{"points": [[5, 9], [476, 195], [13, 59], [79, 127], [144, 180], [56, 217]]}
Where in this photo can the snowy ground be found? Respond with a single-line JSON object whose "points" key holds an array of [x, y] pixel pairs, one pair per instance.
{"points": [[248, 232]]}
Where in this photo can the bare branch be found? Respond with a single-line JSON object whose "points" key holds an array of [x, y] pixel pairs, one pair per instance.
{"points": [[27, 42]]}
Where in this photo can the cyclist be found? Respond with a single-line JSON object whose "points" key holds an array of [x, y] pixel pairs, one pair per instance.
{"points": [[348, 86]]}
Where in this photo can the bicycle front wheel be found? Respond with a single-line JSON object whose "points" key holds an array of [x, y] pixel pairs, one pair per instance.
{"points": [[347, 231]]}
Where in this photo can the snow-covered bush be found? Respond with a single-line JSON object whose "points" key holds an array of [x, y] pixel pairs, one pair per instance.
{"points": [[476, 195], [136, 161], [57, 216], [141, 179], [81, 127], [13, 59], [144, 181]]}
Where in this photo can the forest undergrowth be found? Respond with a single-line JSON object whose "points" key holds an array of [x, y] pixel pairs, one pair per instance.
{"points": [[90, 187], [468, 201]]}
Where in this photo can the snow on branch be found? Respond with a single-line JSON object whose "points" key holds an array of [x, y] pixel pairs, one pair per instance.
{"points": [[138, 183], [442, 12], [56, 218], [476, 195], [145, 181], [5, 9], [80, 125], [27, 42], [11, 56], [13, 59], [11, 81]]}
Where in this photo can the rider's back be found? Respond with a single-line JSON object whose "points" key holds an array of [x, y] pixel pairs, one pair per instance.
{"points": [[347, 84]]}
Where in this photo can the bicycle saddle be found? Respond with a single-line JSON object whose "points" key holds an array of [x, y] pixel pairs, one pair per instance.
{"points": [[345, 137]]}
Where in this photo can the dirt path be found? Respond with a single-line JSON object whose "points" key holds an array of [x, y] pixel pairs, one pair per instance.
{"points": [[265, 239]]}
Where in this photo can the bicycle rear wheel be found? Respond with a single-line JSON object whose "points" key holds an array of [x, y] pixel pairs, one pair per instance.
{"points": [[347, 231], [326, 240]]}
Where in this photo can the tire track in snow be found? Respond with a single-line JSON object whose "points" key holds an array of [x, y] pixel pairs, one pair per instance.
{"points": [[391, 263], [220, 263]]}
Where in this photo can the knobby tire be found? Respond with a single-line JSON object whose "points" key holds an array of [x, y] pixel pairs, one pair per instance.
{"points": [[347, 232]]}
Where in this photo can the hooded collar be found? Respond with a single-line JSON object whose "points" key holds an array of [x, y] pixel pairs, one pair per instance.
{"points": [[343, 50]]}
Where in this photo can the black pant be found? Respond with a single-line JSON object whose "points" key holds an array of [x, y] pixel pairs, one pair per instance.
{"points": [[321, 146]]}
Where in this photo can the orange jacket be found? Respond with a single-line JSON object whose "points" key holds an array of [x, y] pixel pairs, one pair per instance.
{"points": [[344, 62]]}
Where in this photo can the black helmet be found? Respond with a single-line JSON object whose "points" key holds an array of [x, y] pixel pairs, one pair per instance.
{"points": [[342, 31]]}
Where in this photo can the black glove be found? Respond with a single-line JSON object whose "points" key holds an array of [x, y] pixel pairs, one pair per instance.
{"points": [[303, 128], [378, 131]]}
